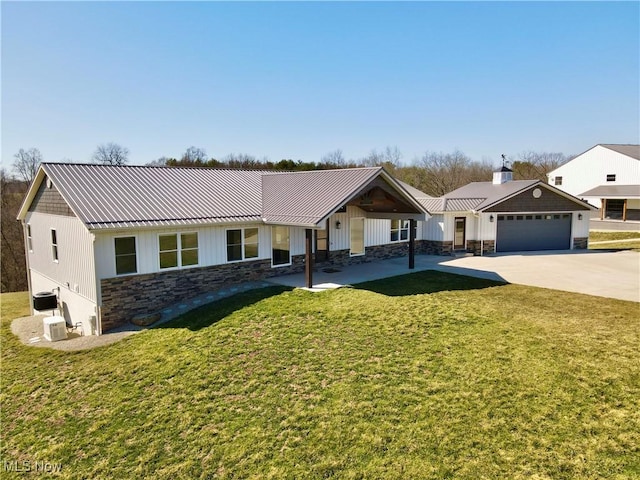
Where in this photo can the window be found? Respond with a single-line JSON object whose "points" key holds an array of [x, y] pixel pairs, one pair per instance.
{"points": [[29, 239], [399, 230], [356, 230], [242, 244], [280, 246], [611, 177], [178, 250], [558, 181], [54, 245], [125, 255]]}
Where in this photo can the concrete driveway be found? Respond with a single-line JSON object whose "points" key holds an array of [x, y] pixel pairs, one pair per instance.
{"points": [[601, 273], [594, 272]]}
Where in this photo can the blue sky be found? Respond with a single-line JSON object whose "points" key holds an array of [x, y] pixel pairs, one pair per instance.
{"points": [[300, 79]]}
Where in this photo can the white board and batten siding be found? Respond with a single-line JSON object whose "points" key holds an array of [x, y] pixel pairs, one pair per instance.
{"points": [[74, 272], [212, 246], [590, 169]]}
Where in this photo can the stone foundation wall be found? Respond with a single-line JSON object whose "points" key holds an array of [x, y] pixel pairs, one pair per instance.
{"points": [[580, 243], [478, 247], [125, 297]]}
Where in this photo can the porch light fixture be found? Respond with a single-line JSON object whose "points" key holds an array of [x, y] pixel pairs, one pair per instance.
{"points": [[491, 218], [338, 224], [579, 216]]}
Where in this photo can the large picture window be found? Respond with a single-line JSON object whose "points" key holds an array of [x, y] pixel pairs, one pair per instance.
{"points": [[126, 255], [399, 230], [280, 246], [242, 244], [178, 250]]}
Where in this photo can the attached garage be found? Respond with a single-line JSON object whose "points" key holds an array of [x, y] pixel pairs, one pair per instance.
{"points": [[541, 231]]}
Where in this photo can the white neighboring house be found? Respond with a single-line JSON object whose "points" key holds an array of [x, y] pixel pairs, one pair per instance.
{"points": [[505, 216], [114, 242], [606, 175]]}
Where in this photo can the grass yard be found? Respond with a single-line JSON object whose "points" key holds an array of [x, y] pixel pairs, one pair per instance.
{"points": [[428, 375], [597, 236]]}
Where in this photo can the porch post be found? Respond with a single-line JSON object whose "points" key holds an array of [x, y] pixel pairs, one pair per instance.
{"points": [[624, 210], [603, 207], [308, 258], [412, 244]]}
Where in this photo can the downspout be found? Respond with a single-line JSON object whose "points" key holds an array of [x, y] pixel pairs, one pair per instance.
{"points": [[27, 264], [98, 288]]}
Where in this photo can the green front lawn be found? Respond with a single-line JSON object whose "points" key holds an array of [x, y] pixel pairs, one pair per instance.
{"points": [[428, 375]]}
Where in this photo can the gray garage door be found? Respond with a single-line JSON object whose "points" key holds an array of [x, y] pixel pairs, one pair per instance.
{"points": [[545, 231]]}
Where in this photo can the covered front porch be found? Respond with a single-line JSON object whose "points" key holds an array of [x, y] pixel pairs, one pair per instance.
{"points": [[339, 211]]}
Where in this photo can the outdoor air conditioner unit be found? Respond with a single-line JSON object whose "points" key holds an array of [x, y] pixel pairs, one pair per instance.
{"points": [[55, 328]]}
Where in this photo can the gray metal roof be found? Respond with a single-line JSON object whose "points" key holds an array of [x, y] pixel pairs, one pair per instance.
{"points": [[478, 196], [632, 151], [108, 197], [136, 196], [309, 197], [613, 191]]}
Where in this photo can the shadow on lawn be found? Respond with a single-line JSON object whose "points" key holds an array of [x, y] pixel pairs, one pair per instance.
{"points": [[210, 313], [428, 281]]}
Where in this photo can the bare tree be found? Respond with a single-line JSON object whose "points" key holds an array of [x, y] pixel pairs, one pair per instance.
{"points": [[448, 171], [12, 264], [194, 156], [333, 159], [536, 165], [111, 154], [160, 162], [26, 163], [389, 158]]}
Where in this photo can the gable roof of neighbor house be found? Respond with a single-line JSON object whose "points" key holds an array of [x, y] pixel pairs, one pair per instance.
{"points": [[106, 197], [629, 150], [613, 191], [479, 196]]}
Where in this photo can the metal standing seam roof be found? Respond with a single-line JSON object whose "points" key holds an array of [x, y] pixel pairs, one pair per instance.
{"points": [[126, 196], [108, 197], [307, 197]]}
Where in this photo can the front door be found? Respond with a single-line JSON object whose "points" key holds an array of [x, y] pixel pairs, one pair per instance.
{"points": [[322, 244], [459, 240]]}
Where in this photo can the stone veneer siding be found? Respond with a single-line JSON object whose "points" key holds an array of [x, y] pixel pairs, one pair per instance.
{"points": [[580, 243], [487, 246], [131, 295]]}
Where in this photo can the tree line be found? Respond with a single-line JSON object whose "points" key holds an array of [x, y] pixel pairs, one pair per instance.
{"points": [[435, 173]]}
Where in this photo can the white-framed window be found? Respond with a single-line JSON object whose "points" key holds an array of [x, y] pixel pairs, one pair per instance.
{"points": [[54, 245], [178, 250], [280, 246], [29, 238], [356, 236], [399, 230], [125, 256], [558, 181], [242, 244]]}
